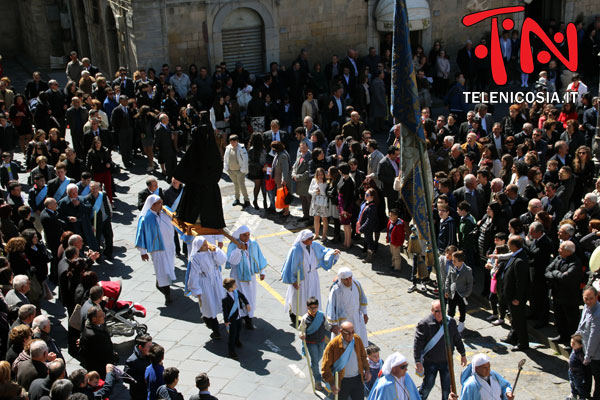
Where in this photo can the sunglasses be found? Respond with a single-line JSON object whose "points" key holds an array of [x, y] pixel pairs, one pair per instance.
{"points": [[347, 333], [403, 366]]}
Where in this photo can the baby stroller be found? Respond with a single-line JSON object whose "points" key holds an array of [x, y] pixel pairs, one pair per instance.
{"points": [[120, 315]]}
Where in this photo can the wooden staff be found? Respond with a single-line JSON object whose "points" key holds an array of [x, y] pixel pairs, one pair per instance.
{"points": [[298, 299], [312, 378], [337, 377]]}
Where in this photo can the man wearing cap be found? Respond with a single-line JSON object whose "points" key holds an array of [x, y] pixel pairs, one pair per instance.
{"points": [[345, 355], [245, 260], [394, 383], [300, 272], [480, 382], [154, 235], [347, 302]]}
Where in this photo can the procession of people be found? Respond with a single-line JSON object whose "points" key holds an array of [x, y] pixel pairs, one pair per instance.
{"points": [[515, 218]]}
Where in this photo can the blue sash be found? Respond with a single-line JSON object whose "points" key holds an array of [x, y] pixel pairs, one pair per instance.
{"points": [[341, 362], [156, 191], [85, 191], [60, 192], [98, 202], [433, 341], [176, 202], [315, 324], [236, 302], [39, 198]]}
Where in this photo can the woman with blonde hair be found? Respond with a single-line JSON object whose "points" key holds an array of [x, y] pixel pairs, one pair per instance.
{"points": [[319, 205]]}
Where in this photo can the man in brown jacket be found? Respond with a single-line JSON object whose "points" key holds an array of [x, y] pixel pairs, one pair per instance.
{"points": [[351, 364]]}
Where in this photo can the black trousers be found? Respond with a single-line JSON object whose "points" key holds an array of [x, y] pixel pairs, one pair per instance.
{"points": [[595, 372], [234, 334], [518, 324], [567, 319], [462, 308], [105, 232], [540, 304], [212, 324], [352, 388]]}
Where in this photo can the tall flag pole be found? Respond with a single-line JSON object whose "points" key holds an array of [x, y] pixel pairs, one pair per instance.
{"points": [[416, 177]]}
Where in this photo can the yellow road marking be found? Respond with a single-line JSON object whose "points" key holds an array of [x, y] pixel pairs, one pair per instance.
{"points": [[390, 330], [272, 291]]}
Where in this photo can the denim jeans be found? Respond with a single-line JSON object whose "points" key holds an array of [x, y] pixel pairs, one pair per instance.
{"points": [[431, 370], [315, 350], [272, 194]]}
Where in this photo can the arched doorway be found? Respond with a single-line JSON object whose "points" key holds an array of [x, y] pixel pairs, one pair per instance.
{"points": [[83, 37], [112, 40], [243, 39]]}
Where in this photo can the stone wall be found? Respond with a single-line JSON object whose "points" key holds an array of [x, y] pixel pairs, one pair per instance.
{"points": [[35, 32], [10, 29], [322, 27]]}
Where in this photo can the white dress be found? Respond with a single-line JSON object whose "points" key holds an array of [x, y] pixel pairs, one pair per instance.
{"points": [[316, 209], [164, 260], [205, 280], [309, 287], [247, 288], [349, 299]]}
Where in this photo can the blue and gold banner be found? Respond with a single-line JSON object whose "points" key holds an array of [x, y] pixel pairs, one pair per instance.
{"points": [[415, 168]]}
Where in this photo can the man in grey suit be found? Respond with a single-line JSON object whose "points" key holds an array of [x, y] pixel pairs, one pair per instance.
{"points": [[301, 175], [17, 296], [590, 333], [487, 121]]}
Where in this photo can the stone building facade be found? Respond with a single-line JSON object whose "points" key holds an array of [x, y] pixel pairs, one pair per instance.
{"points": [[205, 32]]}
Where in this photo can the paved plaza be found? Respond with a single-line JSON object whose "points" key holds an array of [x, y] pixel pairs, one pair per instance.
{"points": [[271, 365]]}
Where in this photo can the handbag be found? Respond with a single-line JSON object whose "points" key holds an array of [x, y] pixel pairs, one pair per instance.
{"points": [[280, 198], [493, 284]]}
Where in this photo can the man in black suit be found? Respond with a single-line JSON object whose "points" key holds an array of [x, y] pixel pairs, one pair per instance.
{"points": [[348, 82], [101, 216], [466, 126], [518, 203], [95, 130], [57, 186], [466, 63], [336, 106], [276, 134], [533, 207], [387, 171], [151, 188], [562, 154], [122, 123], [540, 252], [516, 282], [473, 195], [351, 61], [76, 117], [551, 203], [53, 229], [338, 151], [332, 69], [87, 66], [35, 86], [496, 138], [564, 276], [163, 142], [56, 99], [126, 84]]}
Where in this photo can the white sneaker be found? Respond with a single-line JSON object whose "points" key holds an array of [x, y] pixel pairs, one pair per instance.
{"points": [[461, 327], [412, 288], [498, 322]]}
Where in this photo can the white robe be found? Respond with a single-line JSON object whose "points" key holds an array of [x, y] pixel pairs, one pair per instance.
{"points": [[164, 260], [205, 280], [309, 287], [247, 288], [349, 299]]}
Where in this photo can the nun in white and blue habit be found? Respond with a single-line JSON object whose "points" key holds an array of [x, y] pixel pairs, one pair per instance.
{"points": [[204, 281], [348, 302], [305, 256], [155, 236], [476, 386], [394, 383], [244, 265]]}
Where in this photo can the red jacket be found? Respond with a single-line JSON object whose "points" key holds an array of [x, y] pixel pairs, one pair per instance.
{"points": [[396, 235]]}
